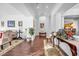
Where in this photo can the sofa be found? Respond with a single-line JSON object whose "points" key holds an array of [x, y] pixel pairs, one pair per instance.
{"points": [[7, 37]]}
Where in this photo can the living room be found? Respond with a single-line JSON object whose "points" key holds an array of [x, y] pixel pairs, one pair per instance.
{"points": [[34, 22]]}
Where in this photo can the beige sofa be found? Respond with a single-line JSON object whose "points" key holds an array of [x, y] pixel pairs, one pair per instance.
{"points": [[8, 37], [9, 34]]}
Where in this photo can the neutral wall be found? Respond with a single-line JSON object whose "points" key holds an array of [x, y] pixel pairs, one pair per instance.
{"points": [[52, 23], [57, 22], [36, 18], [27, 22], [47, 24]]}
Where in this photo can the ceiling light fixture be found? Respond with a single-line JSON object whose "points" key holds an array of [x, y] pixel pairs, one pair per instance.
{"points": [[37, 6], [46, 6]]}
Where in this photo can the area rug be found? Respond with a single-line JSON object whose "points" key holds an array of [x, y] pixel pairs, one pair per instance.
{"points": [[49, 50], [8, 48]]}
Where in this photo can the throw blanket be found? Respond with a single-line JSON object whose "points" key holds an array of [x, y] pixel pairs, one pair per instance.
{"points": [[76, 43]]}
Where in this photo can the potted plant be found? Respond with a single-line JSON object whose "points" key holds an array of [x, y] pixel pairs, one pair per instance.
{"points": [[31, 32]]}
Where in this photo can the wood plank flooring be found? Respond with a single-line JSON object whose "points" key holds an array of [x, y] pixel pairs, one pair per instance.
{"points": [[27, 49], [31, 49]]}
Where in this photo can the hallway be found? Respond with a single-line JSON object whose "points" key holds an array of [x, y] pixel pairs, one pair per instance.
{"points": [[26, 49]]}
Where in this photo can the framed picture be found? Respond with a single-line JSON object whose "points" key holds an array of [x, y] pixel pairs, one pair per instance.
{"points": [[11, 23], [41, 25], [20, 23], [2, 23]]}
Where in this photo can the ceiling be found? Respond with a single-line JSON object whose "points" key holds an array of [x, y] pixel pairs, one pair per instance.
{"points": [[28, 9], [66, 6], [40, 8], [72, 13], [76, 6]]}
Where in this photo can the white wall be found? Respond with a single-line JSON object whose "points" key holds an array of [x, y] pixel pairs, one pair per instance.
{"points": [[78, 25], [57, 22], [36, 18], [27, 21], [53, 22], [46, 21], [17, 12], [42, 19]]}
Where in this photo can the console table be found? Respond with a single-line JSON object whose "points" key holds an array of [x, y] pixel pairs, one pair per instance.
{"points": [[42, 34]]}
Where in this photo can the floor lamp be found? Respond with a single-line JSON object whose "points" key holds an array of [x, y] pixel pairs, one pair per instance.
{"points": [[20, 27]]}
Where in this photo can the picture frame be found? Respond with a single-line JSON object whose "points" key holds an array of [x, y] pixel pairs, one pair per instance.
{"points": [[2, 23], [41, 25], [20, 23], [11, 23]]}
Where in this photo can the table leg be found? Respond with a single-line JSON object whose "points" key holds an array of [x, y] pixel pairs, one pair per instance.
{"points": [[1, 47], [10, 43]]}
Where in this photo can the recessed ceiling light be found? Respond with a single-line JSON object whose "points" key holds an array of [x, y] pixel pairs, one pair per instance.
{"points": [[46, 6], [37, 6]]}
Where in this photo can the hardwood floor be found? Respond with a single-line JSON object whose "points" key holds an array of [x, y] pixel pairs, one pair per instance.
{"points": [[27, 49]]}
